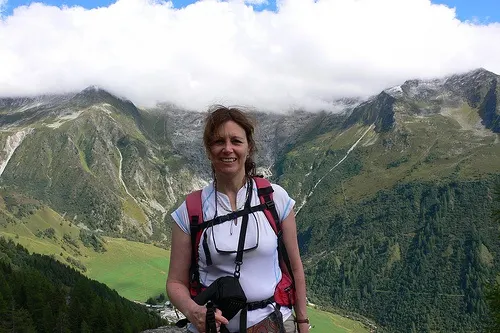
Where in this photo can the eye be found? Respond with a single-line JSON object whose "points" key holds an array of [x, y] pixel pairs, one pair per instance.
{"points": [[218, 142], [237, 141]]}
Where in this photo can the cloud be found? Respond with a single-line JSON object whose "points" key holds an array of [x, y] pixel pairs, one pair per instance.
{"points": [[305, 54]]}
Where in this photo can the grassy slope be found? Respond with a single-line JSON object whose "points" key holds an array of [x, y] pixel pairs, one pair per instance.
{"points": [[429, 148], [136, 270], [327, 322]]}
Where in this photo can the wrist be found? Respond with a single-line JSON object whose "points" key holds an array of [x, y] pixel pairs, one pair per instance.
{"points": [[302, 320], [191, 310], [303, 326]]}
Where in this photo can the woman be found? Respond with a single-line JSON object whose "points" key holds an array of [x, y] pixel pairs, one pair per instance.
{"points": [[230, 146]]}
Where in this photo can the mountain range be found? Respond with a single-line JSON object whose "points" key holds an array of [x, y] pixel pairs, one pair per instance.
{"points": [[394, 193]]}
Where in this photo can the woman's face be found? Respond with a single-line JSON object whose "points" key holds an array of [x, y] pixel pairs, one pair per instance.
{"points": [[229, 150]]}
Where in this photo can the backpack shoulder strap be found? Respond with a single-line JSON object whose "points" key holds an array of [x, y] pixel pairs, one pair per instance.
{"points": [[193, 205], [265, 192], [195, 213]]}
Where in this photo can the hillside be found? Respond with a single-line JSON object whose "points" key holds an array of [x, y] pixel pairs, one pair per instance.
{"points": [[405, 234], [39, 294]]}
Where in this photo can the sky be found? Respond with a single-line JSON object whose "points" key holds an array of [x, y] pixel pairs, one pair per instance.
{"points": [[271, 55]]}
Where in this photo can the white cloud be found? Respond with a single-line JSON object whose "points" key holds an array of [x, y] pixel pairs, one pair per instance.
{"points": [[305, 54]]}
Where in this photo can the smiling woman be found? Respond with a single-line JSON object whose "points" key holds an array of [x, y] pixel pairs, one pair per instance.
{"points": [[230, 237]]}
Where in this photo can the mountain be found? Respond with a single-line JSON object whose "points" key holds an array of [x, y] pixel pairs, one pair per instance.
{"points": [[394, 193], [86, 157], [395, 205]]}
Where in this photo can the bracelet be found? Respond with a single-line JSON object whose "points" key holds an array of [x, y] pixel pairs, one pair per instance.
{"points": [[302, 321]]}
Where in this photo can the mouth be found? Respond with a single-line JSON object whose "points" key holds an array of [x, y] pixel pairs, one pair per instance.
{"points": [[228, 160]]}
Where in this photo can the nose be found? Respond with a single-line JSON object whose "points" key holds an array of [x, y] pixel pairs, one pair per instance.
{"points": [[228, 147]]}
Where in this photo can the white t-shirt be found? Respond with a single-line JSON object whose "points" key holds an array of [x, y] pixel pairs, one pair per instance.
{"points": [[260, 271]]}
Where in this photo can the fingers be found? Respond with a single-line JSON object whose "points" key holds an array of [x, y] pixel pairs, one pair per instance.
{"points": [[220, 318]]}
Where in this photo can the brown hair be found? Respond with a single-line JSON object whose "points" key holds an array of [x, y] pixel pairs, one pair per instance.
{"points": [[218, 115]]}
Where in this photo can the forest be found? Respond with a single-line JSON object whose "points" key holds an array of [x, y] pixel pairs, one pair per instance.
{"points": [[40, 294], [419, 257]]}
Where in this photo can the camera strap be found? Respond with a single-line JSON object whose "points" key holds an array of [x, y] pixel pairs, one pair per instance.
{"points": [[239, 256], [243, 233], [210, 324]]}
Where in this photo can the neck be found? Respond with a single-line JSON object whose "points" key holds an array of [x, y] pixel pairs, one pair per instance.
{"points": [[230, 185]]}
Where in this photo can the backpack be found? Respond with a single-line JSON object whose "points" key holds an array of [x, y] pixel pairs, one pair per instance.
{"points": [[284, 294]]}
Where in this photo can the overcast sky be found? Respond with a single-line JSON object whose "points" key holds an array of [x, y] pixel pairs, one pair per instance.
{"points": [[301, 54]]}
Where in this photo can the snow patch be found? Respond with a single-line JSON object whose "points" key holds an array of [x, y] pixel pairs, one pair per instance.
{"points": [[396, 91]]}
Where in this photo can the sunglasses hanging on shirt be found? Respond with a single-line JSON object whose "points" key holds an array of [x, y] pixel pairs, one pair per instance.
{"points": [[224, 245]]}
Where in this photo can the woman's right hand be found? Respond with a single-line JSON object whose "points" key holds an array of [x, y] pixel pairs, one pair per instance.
{"points": [[197, 316]]}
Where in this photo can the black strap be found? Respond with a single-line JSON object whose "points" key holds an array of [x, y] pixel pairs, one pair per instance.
{"points": [[241, 244], [208, 256], [269, 204], [243, 233], [260, 304], [243, 319], [233, 215], [210, 324], [194, 273], [250, 307], [239, 256]]}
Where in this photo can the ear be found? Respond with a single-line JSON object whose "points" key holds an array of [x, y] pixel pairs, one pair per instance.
{"points": [[250, 150]]}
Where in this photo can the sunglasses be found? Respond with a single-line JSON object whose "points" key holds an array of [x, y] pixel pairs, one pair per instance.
{"points": [[251, 222]]}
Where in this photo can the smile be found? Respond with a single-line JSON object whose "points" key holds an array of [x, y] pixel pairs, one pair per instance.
{"points": [[228, 159]]}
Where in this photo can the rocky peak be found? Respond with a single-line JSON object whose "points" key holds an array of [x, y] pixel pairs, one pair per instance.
{"points": [[422, 89], [94, 95], [91, 95], [377, 110], [473, 78]]}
